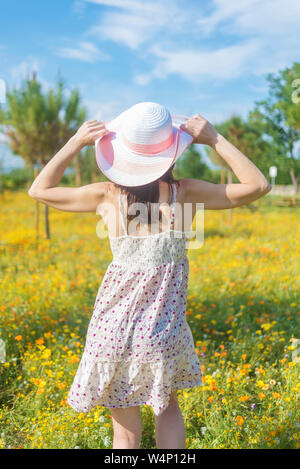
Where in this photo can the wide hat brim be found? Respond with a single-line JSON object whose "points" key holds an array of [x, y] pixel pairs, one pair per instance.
{"points": [[127, 167]]}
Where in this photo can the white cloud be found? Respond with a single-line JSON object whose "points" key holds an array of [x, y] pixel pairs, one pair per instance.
{"points": [[142, 78], [25, 68], [260, 36], [265, 18], [138, 22], [78, 7], [219, 64], [85, 51], [224, 10], [102, 111], [146, 6], [105, 105], [130, 30]]}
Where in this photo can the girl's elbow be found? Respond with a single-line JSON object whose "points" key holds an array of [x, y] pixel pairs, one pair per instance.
{"points": [[262, 190], [265, 188], [33, 193]]}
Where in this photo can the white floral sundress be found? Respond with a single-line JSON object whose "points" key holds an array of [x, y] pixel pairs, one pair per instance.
{"points": [[139, 346]]}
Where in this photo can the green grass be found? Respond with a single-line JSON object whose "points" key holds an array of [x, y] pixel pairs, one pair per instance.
{"points": [[243, 309]]}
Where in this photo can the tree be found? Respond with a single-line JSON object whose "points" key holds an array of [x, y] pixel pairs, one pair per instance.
{"points": [[190, 165], [38, 124], [247, 138], [89, 168], [279, 115]]}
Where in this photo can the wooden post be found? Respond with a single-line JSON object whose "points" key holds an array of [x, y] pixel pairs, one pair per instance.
{"points": [[77, 170], [222, 176], [229, 180], [47, 222], [37, 215], [94, 176]]}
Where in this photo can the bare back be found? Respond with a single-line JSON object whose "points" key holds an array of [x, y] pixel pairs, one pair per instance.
{"points": [[109, 210]]}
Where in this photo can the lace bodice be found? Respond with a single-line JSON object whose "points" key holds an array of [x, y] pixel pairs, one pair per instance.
{"points": [[152, 250]]}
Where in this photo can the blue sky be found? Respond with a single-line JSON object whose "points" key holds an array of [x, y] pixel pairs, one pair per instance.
{"points": [[193, 56]]}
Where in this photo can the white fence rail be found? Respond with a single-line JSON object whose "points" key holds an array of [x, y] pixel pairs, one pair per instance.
{"points": [[283, 190]]}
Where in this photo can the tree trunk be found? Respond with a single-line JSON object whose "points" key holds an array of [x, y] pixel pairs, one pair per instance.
{"points": [[229, 181], [47, 224], [30, 168], [37, 213], [94, 176], [295, 181], [46, 212], [94, 167], [222, 176], [77, 170]]}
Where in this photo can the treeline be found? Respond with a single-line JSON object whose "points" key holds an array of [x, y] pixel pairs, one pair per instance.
{"points": [[37, 124], [86, 172], [269, 136]]}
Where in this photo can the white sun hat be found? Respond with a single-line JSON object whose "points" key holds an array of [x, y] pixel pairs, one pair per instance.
{"points": [[142, 144]]}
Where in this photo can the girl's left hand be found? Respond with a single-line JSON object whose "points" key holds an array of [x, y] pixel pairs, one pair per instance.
{"points": [[89, 132], [201, 130]]}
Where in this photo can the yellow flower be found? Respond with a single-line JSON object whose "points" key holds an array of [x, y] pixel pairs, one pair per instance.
{"points": [[46, 353], [40, 341], [244, 398], [266, 326], [212, 385], [74, 359], [240, 420], [39, 382]]}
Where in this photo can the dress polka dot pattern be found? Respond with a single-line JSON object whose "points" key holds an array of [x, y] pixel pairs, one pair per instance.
{"points": [[139, 346]]}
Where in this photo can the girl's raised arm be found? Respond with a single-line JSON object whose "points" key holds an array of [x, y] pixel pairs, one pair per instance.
{"points": [[70, 199], [253, 183]]}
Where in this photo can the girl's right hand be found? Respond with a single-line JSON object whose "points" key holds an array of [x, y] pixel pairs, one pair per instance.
{"points": [[89, 132], [201, 130]]}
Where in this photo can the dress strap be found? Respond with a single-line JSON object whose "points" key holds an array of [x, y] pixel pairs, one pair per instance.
{"points": [[121, 213], [173, 206]]}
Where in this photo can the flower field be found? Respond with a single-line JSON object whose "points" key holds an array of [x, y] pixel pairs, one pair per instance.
{"points": [[243, 309]]}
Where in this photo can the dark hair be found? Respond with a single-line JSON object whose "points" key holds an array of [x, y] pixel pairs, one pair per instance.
{"points": [[149, 193]]}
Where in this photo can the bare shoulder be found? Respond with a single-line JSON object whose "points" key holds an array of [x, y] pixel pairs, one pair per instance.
{"points": [[102, 190], [193, 190], [98, 194], [181, 190]]}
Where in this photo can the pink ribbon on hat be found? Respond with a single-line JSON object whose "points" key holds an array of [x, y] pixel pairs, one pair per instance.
{"points": [[151, 149], [129, 166]]}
